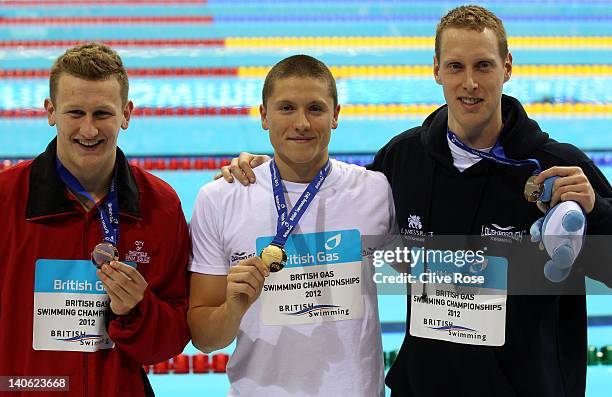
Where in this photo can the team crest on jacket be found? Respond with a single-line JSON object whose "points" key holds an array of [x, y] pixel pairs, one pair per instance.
{"points": [[414, 222], [414, 227], [138, 254]]}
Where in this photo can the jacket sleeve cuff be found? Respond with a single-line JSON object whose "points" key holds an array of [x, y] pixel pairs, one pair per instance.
{"points": [[134, 318], [596, 218]]}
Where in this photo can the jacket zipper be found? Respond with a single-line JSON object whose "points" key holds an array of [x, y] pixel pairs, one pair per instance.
{"points": [[85, 361]]}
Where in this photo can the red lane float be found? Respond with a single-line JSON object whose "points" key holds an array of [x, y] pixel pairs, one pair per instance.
{"points": [[66, 21], [183, 364], [192, 111], [161, 368], [200, 363], [180, 364], [21, 73], [115, 43], [219, 362], [174, 72], [141, 72], [145, 112], [159, 163], [22, 113], [14, 3]]}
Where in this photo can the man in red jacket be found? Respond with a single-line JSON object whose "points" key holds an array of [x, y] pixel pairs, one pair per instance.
{"points": [[64, 322]]}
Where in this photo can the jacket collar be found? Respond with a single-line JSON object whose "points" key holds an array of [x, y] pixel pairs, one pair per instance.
{"points": [[520, 136], [47, 194]]}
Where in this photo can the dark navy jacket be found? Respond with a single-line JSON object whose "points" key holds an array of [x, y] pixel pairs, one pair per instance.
{"points": [[545, 345]]}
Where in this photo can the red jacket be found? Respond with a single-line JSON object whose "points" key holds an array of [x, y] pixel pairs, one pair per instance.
{"points": [[41, 220]]}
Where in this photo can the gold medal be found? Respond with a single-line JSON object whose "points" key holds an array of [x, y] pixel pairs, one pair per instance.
{"points": [[274, 257], [103, 254], [533, 191]]}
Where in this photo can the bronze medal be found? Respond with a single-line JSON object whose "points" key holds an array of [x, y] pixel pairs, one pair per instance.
{"points": [[103, 254], [533, 191], [274, 257]]}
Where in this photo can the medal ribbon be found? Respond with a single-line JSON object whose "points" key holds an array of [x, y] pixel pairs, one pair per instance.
{"points": [[109, 211], [286, 223], [497, 154]]}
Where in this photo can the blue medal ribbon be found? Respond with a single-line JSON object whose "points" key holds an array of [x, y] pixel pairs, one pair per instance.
{"points": [[287, 222], [109, 211], [497, 154]]}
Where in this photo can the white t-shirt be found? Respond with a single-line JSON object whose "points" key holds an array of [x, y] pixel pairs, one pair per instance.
{"points": [[462, 159], [314, 331]]}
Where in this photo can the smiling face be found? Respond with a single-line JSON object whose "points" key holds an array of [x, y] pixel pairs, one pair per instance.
{"points": [[88, 115], [300, 115], [472, 74]]}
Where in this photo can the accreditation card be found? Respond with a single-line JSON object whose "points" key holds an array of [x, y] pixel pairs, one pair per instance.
{"points": [[466, 313], [322, 280], [70, 305]]}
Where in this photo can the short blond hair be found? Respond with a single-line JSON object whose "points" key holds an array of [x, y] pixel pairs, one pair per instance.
{"points": [[299, 66], [91, 61], [475, 18]]}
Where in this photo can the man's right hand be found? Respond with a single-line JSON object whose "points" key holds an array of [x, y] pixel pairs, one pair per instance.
{"points": [[241, 168], [244, 284]]}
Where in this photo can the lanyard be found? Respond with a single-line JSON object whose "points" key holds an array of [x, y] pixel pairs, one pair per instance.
{"points": [[287, 222], [109, 211], [497, 154]]}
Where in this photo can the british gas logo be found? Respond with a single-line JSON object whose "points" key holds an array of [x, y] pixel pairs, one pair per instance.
{"points": [[333, 242], [323, 248]]}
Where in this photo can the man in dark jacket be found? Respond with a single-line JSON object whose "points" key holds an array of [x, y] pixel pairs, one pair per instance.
{"points": [[541, 340], [446, 182], [74, 327]]}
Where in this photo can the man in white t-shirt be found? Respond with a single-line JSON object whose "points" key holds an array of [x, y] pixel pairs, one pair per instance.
{"points": [[312, 328]]}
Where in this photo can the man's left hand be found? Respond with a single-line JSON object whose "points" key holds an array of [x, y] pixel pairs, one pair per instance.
{"points": [[124, 284], [572, 185]]}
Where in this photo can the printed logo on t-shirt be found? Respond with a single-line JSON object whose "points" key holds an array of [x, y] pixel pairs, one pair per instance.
{"points": [[368, 252], [502, 234], [240, 256]]}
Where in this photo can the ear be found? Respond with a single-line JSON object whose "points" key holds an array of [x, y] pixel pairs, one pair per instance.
{"points": [[264, 117], [127, 113], [50, 111], [335, 119], [508, 68], [436, 70]]}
